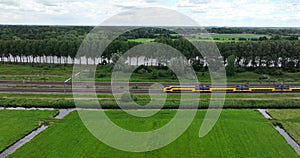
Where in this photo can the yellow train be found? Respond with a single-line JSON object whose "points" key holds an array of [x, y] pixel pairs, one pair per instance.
{"points": [[236, 89]]}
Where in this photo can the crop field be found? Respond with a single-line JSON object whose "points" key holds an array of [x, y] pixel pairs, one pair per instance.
{"points": [[238, 133], [16, 124], [289, 119]]}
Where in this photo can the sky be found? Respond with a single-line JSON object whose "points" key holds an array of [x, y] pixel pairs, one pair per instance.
{"points": [[234, 13]]}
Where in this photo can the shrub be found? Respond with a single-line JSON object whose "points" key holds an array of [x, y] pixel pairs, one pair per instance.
{"points": [[142, 71], [100, 75], [276, 72], [263, 77], [261, 70], [154, 75], [240, 69], [162, 73]]}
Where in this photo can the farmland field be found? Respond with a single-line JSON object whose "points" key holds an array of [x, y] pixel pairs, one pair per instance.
{"points": [[289, 120], [238, 133], [16, 124]]}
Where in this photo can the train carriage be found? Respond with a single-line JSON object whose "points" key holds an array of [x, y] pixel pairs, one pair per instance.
{"points": [[235, 89]]}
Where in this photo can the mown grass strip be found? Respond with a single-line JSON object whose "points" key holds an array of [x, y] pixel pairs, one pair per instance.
{"points": [[108, 102]]}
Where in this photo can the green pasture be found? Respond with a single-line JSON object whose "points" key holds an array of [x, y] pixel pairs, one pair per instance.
{"points": [[142, 40], [289, 119], [238, 133], [15, 124], [227, 37], [107, 101], [59, 73], [35, 72]]}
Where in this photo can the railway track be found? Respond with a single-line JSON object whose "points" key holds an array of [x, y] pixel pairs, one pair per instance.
{"points": [[101, 87], [103, 91], [293, 84]]}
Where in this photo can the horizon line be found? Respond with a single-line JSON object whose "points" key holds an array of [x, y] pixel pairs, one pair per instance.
{"points": [[82, 25]]}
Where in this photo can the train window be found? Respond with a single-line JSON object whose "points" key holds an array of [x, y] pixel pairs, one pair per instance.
{"points": [[199, 88]]}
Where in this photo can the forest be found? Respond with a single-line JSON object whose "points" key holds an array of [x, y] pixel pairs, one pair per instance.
{"points": [[40, 44]]}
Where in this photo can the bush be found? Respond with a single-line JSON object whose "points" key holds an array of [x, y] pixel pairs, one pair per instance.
{"points": [[142, 71], [162, 73], [240, 69], [263, 77], [276, 72], [154, 75], [101, 75], [269, 71], [261, 70]]}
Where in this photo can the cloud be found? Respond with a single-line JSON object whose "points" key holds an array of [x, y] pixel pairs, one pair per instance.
{"points": [[129, 4], [242, 12], [150, 17], [49, 3], [200, 1], [206, 12]]}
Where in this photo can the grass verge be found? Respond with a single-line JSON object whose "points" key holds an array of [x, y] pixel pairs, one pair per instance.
{"points": [[107, 101], [59, 73]]}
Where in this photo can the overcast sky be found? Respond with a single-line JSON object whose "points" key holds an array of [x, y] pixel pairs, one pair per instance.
{"points": [[275, 13]]}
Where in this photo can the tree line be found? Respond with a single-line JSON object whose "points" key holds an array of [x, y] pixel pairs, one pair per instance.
{"points": [[31, 32], [283, 54]]}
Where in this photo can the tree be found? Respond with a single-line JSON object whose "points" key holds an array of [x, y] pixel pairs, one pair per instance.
{"points": [[118, 61], [230, 68]]}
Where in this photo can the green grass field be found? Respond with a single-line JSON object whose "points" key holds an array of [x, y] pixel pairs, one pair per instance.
{"points": [[16, 124], [35, 72], [104, 75], [236, 101], [48, 72], [142, 40], [238, 133], [225, 37], [210, 37], [289, 119]]}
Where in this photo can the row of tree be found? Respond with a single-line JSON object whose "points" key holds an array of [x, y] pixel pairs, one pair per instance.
{"points": [[255, 30], [281, 53], [22, 32]]}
